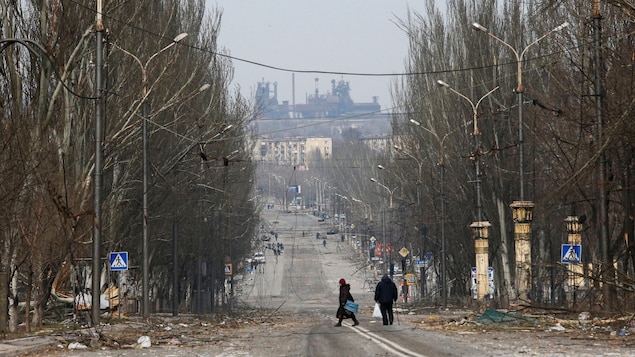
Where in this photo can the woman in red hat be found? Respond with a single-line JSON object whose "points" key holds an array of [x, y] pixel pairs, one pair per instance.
{"points": [[345, 295]]}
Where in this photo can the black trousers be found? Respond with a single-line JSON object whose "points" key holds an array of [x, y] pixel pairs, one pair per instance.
{"points": [[386, 313], [345, 314]]}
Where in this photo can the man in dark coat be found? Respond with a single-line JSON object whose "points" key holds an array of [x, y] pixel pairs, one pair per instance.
{"points": [[385, 294], [342, 313]]}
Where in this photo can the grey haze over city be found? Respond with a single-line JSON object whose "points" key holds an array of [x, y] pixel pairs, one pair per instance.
{"points": [[353, 36]]}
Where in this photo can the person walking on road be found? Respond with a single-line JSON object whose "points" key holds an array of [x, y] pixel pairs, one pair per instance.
{"points": [[385, 294], [342, 313]]}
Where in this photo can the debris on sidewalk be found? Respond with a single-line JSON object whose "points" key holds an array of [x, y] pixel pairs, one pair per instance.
{"points": [[496, 316]]}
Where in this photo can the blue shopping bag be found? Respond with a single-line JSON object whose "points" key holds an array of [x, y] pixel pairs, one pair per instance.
{"points": [[351, 306]]}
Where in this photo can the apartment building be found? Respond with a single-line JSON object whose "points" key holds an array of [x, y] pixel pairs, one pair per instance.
{"points": [[293, 151]]}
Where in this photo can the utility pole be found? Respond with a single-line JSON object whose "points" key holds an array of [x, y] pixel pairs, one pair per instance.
{"points": [[99, 93], [480, 228], [606, 264], [522, 210]]}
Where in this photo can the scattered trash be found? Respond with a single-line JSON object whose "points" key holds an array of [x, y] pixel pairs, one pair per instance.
{"points": [[77, 346], [144, 342], [463, 321], [557, 327], [584, 316], [494, 316], [621, 332]]}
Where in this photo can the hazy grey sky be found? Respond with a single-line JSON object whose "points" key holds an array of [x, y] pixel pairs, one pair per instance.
{"points": [[328, 35]]}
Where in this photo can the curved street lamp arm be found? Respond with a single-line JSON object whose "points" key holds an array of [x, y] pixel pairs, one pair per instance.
{"points": [[483, 97], [519, 57], [419, 163], [474, 107], [387, 189], [144, 67]]}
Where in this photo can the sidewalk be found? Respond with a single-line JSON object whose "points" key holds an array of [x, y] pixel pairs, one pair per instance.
{"points": [[61, 340], [22, 346]]}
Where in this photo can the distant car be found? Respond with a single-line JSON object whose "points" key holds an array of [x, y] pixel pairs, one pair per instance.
{"points": [[259, 257], [333, 230], [265, 237], [320, 219]]}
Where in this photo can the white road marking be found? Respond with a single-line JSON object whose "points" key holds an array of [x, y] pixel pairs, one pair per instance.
{"points": [[386, 344]]}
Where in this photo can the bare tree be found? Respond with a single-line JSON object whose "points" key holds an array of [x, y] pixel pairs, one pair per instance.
{"points": [[47, 156], [560, 121]]}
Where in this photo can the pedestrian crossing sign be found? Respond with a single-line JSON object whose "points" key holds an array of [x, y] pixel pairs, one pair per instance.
{"points": [[571, 253], [118, 261]]}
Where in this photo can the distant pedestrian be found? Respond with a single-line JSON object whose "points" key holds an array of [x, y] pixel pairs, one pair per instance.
{"points": [[324, 243], [385, 294], [345, 295]]}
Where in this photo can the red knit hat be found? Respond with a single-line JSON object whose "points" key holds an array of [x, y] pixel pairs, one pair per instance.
{"points": [[342, 281]]}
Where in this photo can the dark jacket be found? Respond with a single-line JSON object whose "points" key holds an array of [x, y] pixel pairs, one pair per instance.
{"points": [[386, 291], [345, 294]]}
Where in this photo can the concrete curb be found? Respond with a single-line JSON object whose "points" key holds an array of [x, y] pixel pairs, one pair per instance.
{"points": [[26, 345]]}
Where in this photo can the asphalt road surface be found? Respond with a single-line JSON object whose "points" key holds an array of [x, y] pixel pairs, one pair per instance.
{"points": [[301, 284], [304, 280]]}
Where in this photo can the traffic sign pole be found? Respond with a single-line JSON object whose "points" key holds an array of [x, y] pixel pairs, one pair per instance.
{"points": [[118, 262]]}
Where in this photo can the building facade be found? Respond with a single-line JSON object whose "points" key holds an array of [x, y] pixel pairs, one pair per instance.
{"points": [[293, 151]]}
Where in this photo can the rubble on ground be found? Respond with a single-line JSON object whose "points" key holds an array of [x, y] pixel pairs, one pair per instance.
{"points": [[168, 330], [574, 325]]}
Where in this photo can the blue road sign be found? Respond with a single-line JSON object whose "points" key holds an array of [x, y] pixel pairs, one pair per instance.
{"points": [[118, 261], [571, 253]]}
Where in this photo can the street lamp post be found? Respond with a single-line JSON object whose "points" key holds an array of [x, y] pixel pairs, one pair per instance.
{"points": [[99, 165], [441, 164], [384, 214], [480, 228], [477, 140], [419, 164], [522, 222], [343, 216], [418, 191], [387, 189], [146, 112], [369, 213]]}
